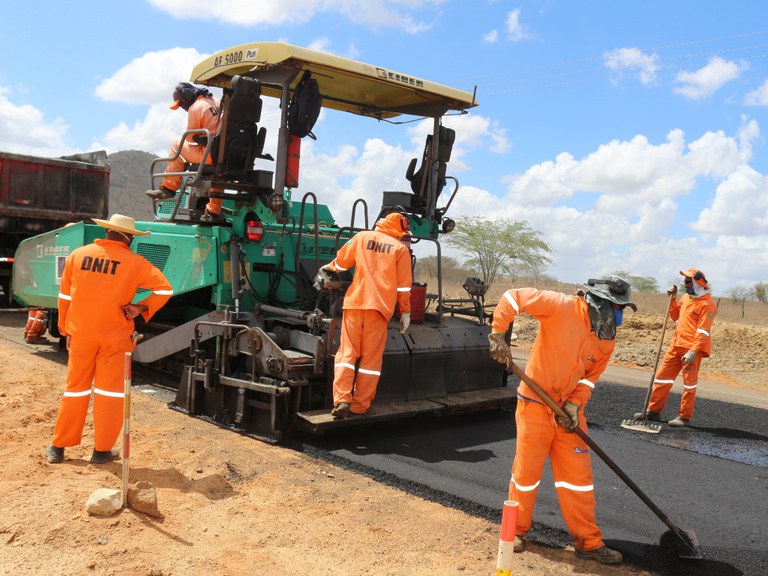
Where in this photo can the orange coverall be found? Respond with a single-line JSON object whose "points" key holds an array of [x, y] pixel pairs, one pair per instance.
{"points": [[203, 113], [382, 278], [98, 280], [566, 361], [694, 317]]}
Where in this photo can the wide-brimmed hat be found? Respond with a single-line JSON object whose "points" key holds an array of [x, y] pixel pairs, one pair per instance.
{"points": [[697, 275], [612, 288], [120, 223]]}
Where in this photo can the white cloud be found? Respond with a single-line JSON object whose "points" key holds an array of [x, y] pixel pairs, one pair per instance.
{"points": [[740, 207], [159, 72], [491, 37], [624, 202], [542, 184], [150, 79], [25, 130], [370, 13], [153, 133], [515, 30], [759, 96], [632, 59], [707, 80], [628, 174]]}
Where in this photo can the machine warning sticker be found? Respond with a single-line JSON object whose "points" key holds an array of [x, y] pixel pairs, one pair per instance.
{"points": [[61, 261], [399, 78]]}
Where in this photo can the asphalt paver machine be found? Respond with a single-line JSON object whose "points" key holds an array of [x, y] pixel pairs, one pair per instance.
{"points": [[252, 339]]}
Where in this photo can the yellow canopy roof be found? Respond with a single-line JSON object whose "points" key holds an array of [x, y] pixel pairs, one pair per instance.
{"points": [[345, 84]]}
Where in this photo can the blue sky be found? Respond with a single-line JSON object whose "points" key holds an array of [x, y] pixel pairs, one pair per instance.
{"points": [[630, 134]]}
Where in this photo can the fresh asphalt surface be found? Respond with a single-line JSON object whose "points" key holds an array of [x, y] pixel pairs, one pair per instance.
{"points": [[711, 478]]}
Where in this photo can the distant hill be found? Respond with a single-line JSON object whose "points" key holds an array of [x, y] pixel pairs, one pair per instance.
{"points": [[128, 180]]}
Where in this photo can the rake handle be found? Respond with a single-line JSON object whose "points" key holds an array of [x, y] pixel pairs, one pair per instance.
{"points": [[517, 371], [658, 356]]}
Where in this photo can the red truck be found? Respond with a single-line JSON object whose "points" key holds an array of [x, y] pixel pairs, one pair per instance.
{"points": [[41, 194]]}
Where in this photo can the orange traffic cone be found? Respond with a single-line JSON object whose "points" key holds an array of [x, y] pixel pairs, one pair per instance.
{"points": [[507, 539], [35, 324]]}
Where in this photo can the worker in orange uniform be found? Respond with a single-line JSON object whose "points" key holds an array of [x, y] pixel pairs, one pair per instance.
{"points": [[576, 338], [694, 313], [96, 316], [203, 111], [382, 278]]}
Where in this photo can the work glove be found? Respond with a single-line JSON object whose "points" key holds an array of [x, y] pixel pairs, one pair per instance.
{"points": [[323, 275], [405, 321], [499, 349], [571, 419], [672, 291], [689, 356]]}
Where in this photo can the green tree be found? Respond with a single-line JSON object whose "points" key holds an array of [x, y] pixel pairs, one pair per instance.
{"points": [[761, 291], [640, 283], [504, 245], [738, 294]]}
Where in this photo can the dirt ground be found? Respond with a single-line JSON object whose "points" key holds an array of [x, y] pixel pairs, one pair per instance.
{"points": [[232, 505]]}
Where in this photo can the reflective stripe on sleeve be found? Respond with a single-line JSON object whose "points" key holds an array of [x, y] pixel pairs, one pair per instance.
{"points": [[163, 292], [700, 331], [512, 301], [404, 289], [586, 383], [65, 296]]}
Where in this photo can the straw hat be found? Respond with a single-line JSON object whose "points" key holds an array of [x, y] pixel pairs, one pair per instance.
{"points": [[120, 223]]}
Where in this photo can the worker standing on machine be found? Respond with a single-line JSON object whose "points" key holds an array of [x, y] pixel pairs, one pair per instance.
{"points": [[576, 338], [694, 313], [382, 279], [203, 111], [96, 316]]}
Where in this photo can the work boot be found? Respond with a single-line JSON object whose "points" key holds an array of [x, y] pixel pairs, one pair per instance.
{"points": [[517, 545], [104, 456], [340, 411], [211, 217], [649, 415], [162, 194], [55, 455], [604, 555], [679, 422]]}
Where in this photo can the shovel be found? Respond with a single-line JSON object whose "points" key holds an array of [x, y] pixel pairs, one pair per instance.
{"points": [[642, 424], [689, 544]]}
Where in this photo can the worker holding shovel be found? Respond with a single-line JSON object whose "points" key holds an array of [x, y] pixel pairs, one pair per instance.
{"points": [[575, 341]]}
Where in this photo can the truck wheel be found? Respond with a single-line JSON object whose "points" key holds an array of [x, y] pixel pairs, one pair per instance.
{"points": [[53, 323]]}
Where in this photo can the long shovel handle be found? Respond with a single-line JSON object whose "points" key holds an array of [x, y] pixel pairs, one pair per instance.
{"points": [[126, 424], [515, 369], [658, 356]]}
